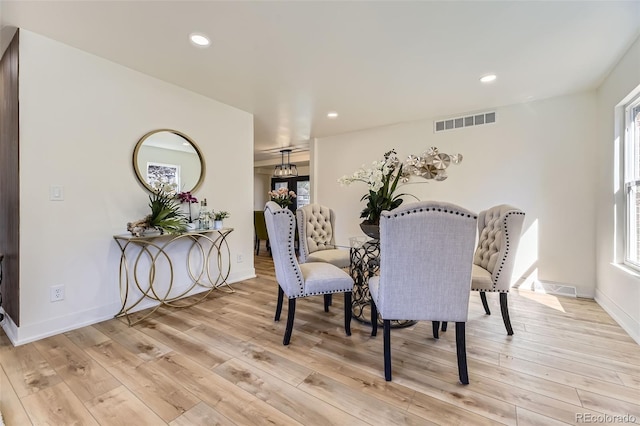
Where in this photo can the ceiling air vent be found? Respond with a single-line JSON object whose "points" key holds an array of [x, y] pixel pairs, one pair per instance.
{"points": [[466, 121]]}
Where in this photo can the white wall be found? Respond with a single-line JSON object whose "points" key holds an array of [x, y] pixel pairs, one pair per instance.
{"points": [[539, 156], [2, 46], [261, 185], [80, 118], [618, 289], [6, 32]]}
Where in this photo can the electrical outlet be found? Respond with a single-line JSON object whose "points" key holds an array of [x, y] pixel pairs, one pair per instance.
{"points": [[57, 293], [240, 258]]}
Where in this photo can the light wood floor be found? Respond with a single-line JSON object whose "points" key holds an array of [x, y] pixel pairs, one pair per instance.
{"points": [[222, 362]]}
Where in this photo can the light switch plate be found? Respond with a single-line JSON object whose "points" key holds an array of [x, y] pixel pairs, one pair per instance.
{"points": [[56, 193]]}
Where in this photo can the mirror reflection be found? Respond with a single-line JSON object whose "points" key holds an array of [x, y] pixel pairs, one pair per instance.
{"points": [[169, 160]]}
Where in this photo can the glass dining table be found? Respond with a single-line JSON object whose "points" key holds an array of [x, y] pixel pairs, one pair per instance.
{"points": [[364, 264]]}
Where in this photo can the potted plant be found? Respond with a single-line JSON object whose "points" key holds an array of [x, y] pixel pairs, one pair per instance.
{"points": [[282, 196], [382, 179], [218, 217], [165, 216], [384, 176]]}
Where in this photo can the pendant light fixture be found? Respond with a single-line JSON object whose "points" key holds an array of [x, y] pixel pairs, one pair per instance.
{"points": [[285, 170]]}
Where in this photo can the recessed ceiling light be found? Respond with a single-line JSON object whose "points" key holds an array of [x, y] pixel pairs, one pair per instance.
{"points": [[199, 39], [332, 114], [488, 78]]}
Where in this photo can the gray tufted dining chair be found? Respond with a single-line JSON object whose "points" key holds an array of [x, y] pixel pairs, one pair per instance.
{"points": [[316, 224], [499, 230], [426, 253], [301, 280]]}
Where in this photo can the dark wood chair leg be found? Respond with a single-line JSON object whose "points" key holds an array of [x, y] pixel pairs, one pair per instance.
{"points": [[257, 246], [444, 326], [291, 314], [483, 297], [374, 319], [436, 326], [279, 304], [386, 324], [327, 302], [462, 353], [347, 312], [505, 313]]}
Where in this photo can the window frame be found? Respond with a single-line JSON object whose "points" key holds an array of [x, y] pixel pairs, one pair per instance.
{"points": [[631, 180]]}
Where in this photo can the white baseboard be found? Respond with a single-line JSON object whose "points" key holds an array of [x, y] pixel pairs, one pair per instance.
{"points": [[52, 326], [628, 324], [9, 327], [232, 279], [551, 287], [246, 274]]}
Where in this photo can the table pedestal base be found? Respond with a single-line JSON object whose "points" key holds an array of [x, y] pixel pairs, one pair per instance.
{"points": [[365, 263]]}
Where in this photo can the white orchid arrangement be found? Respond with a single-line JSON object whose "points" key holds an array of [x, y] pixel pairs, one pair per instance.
{"points": [[383, 177], [378, 174]]}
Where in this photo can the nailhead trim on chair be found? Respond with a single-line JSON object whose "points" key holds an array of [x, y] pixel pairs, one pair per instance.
{"points": [[329, 292], [292, 260], [432, 209], [474, 217], [506, 251], [291, 250]]}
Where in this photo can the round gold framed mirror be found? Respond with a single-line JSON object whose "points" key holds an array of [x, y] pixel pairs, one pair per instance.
{"points": [[168, 160]]}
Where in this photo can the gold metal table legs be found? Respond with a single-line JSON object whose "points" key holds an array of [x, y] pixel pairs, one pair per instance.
{"points": [[148, 269]]}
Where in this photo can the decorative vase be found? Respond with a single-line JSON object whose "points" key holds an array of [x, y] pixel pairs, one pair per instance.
{"points": [[371, 230], [190, 210], [217, 224]]}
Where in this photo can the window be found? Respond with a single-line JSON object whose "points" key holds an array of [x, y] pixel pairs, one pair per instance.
{"points": [[304, 193], [632, 181]]}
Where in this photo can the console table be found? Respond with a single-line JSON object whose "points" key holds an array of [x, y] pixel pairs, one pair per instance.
{"points": [[148, 265]]}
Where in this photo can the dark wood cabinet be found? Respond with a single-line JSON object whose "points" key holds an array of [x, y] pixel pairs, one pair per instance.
{"points": [[10, 181]]}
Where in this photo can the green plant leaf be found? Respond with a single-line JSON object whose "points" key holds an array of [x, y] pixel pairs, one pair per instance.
{"points": [[165, 213]]}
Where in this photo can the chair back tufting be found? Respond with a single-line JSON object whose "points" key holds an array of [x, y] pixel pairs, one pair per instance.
{"points": [[281, 229], [315, 228], [499, 230]]}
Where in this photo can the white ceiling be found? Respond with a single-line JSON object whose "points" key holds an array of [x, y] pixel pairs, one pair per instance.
{"points": [[376, 63]]}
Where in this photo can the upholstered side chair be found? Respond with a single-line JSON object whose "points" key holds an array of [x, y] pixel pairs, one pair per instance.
{"points": [[316, 225], [499, 230], [260, 228], [426, 254], [301, 280]]}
